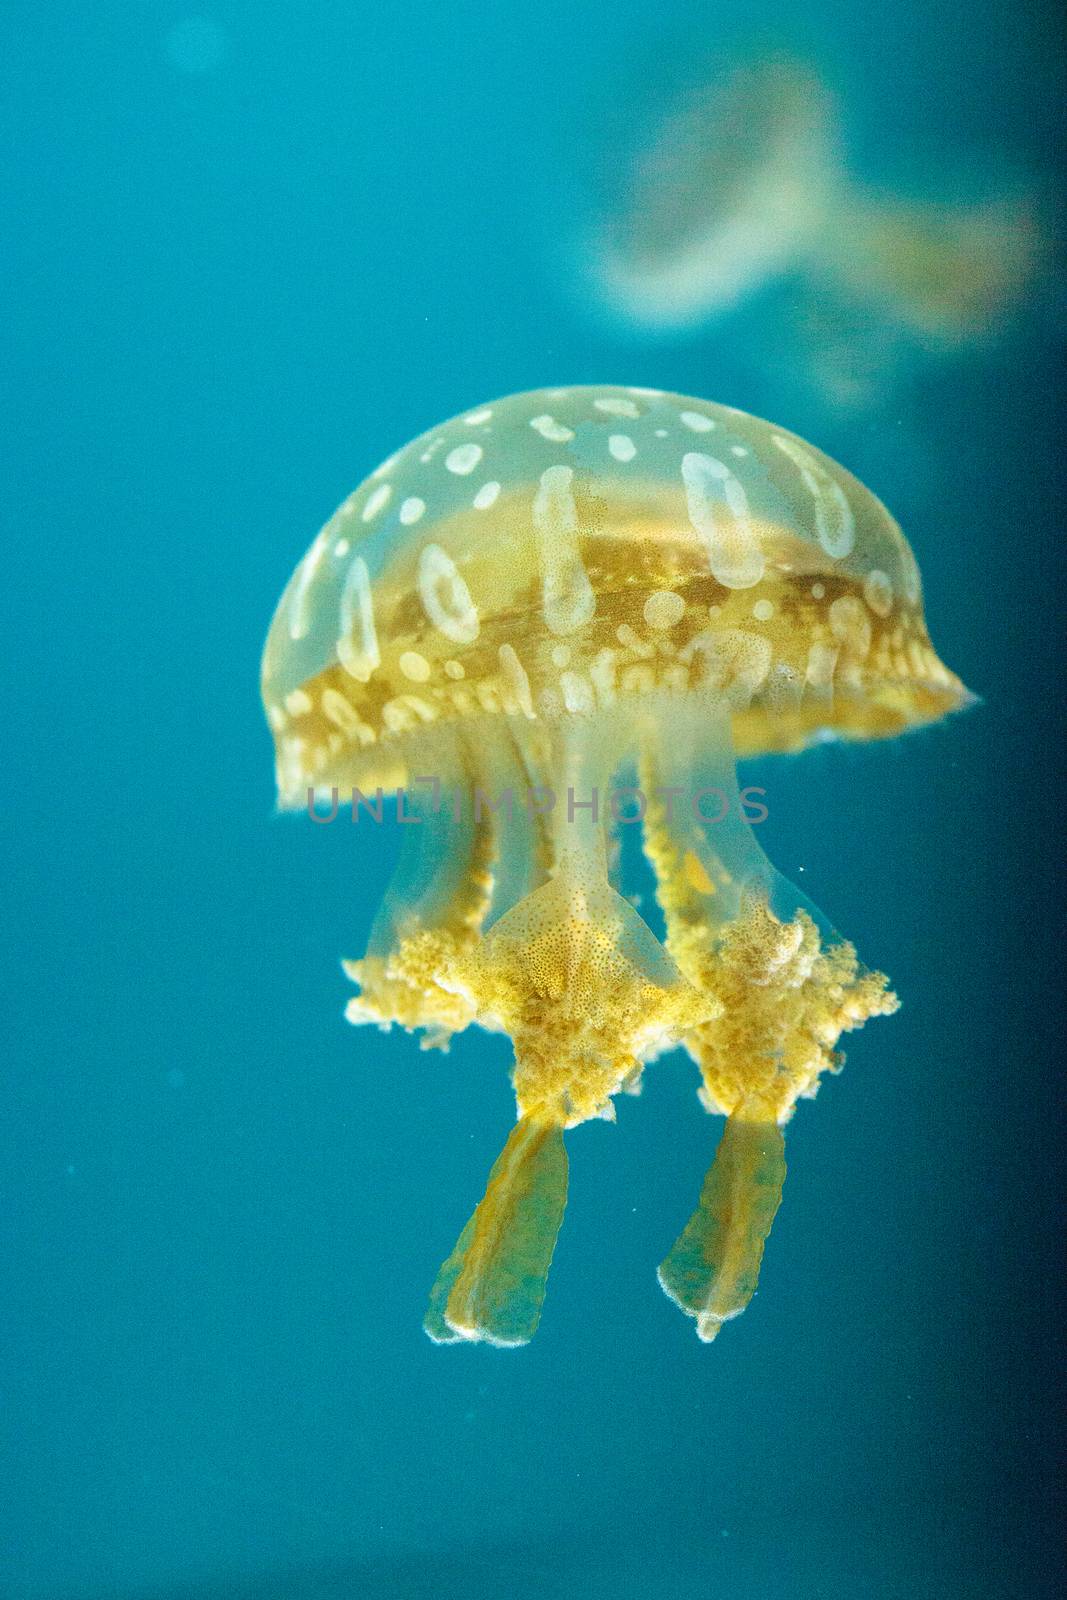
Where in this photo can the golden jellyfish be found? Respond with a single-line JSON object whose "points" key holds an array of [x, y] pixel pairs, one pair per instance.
{"points": [[744, 181], [548, 618]]}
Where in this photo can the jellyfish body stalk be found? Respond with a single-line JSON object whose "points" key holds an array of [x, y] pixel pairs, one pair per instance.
{"points": [[713, 1267], [434, 907], [787, 984], [579, 982], [492, 1286], [512, 920]]}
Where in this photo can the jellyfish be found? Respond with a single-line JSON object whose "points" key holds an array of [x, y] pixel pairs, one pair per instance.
{"points": [[555, 616], [731, 190], [745, 182]]}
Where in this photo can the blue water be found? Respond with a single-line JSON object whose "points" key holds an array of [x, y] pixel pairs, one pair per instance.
{"points": [[250, 254]]}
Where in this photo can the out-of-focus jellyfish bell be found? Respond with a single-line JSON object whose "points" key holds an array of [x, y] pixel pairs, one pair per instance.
{"points": [[744, 182], [525, 604], [732, 190]]}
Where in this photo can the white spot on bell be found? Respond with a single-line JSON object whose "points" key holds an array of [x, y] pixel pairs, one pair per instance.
{"points": [[734, 554], [340, 711], [411, 510], [613, 406], [577, 692], [550, 429], [414, 666], [822, 659], [851, 625], [516, 679], [878, 592], [567, 594], [357, 647], [486, 495], [736, 662], [696, 421], [299, 621], [835, 526], [663, 609], [376, 500], [463, 459], [445, 597], [622, 447]]}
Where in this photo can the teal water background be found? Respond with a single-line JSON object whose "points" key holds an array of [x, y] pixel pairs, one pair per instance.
{"points": [[247, 259]]}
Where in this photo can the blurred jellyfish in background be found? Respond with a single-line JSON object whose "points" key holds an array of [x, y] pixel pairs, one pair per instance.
{"points": [[733, 189], [742, 182]]}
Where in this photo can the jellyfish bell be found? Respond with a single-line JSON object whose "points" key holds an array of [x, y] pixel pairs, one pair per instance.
{"points": [[533, 597], [729, 193]]}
